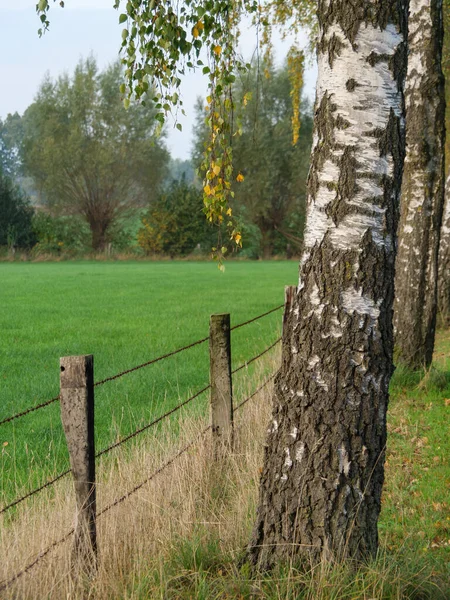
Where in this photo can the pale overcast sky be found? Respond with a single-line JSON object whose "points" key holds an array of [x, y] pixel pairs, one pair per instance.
{"points": [[81, 28]]}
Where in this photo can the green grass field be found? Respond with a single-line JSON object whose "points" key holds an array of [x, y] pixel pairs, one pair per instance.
{"points": [[123, 313]]}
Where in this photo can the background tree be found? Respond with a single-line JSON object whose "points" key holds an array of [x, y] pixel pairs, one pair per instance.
{"points": [[422, 188], [16, 216], [10, 135], [87, 154], [273, 190], [175, 223], [320, 492]]}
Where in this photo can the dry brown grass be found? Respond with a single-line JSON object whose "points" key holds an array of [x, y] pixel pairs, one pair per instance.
{"points": [[137, 536], [181, 535]]}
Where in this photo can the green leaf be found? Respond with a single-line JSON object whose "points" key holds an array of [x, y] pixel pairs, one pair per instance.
{"points": [[179, 127], [123, 18]]}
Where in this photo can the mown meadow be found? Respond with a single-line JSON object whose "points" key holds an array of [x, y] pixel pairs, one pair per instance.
{"points": [[124, 313]]}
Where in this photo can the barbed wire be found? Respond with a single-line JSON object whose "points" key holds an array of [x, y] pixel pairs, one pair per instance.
{"points": [[108, 449], [261, 387], [35, 491], [151, 362], [4, 585], [30, 410], [134, 434], [141, 366], [154, 422], [154, 474], [249, 362], [257, 318]]}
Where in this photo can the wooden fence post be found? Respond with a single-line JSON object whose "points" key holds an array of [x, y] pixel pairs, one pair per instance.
{"points": [[77, 413], [289, 295], [221, 383]]}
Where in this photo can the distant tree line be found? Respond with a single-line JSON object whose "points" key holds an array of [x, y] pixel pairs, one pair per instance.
{"points": [[80, 173]]}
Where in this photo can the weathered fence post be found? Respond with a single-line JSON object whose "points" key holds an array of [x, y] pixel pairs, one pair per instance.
{"points": [[77, 413], [221, 383], [289, 295]]}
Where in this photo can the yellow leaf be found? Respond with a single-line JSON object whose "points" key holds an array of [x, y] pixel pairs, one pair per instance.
{"points": [[195, 32], [229, 212], [240, 177], [237, 238], [217, 50], [207, 190], [216, 169]]}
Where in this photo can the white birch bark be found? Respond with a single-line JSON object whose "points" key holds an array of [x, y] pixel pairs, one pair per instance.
{"points": [[321, 482], [444, 261], [422, 188]]}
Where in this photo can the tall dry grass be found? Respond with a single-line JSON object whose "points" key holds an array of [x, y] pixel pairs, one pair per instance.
{"points": [[180, 536], [192, 497]]}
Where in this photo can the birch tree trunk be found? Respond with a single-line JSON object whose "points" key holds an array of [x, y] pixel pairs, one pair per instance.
{"points": [[422, 201], [444, 261], [321, 482], [444, 246]]}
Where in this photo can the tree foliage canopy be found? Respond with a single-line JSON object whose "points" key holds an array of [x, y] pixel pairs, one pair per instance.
{"points": [[174, 224], [86, 154], [16, 229], [273, 170], [160, 40]]}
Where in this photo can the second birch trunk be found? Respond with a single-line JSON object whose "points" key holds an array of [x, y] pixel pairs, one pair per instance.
{"points": [[422, 200]]}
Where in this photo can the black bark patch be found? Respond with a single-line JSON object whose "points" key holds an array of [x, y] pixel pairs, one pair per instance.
{"points": [[351, 84], [346, 187]]}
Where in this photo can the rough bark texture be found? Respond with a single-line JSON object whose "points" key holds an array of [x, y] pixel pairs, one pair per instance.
{"points": [[422, 188], [444, 246], [323, 468], [444, 261]]}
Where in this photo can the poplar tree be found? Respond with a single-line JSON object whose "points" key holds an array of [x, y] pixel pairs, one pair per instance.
{"points": [[423, 183]]}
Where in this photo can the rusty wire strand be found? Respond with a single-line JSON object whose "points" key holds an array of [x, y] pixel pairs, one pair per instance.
{"points": [[154, 474], [154, 422], [151, 362], [271, 378], [249, 362], [146, 364], [8, 583], [256, 318], [29, 410], [35, 491], [106, 450]]}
